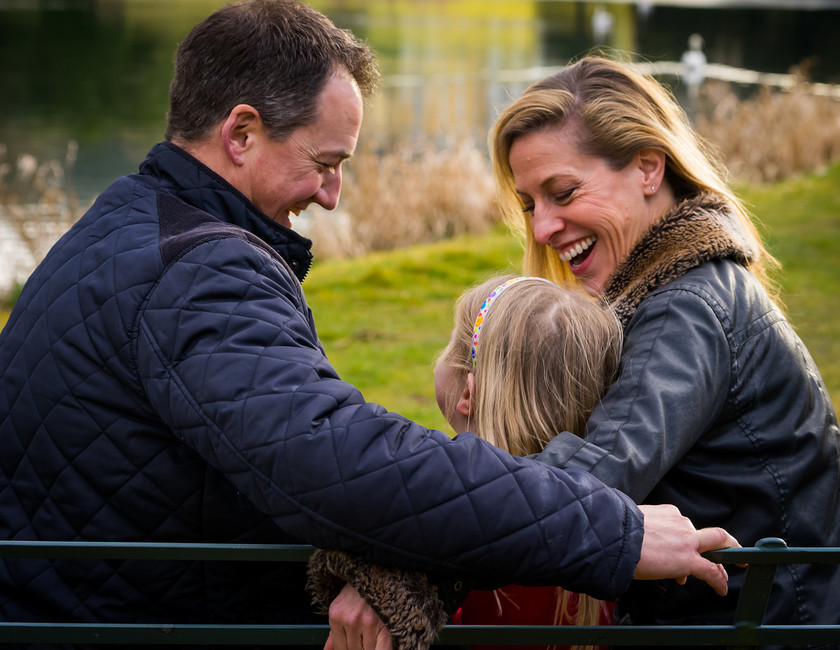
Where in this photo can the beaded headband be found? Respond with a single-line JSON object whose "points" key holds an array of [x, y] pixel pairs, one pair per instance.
{"points": [[485, 306]]}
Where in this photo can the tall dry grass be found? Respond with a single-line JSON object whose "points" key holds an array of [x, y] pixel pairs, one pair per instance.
{"points": [[415, 191], [419, 192], [408, 193], [772, 135], [36, 208]]}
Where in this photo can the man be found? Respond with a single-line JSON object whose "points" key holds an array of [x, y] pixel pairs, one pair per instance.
{"points": [[163, 380]]}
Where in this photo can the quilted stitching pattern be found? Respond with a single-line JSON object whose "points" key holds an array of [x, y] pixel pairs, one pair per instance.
{"points": [[189, 399]]}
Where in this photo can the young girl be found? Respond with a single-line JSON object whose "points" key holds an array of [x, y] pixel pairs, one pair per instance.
{"points": [[527, 358]]}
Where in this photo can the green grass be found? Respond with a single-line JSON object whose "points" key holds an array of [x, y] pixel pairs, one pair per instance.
{"points": [[384, 317], [800, 220]]}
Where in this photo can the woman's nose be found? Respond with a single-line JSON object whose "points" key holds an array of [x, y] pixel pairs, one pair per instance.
{"points": [[545, 225]]}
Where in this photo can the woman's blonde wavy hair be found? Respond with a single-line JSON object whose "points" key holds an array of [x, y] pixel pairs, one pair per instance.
{"points": [[546, 355], [616, 112]]}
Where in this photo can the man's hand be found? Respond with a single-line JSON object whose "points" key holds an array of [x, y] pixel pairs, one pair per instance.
{"points": [[671, 549], [354, 625]]}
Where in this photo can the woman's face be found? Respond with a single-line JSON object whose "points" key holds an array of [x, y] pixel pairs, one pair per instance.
{"points": [[589, 213]]}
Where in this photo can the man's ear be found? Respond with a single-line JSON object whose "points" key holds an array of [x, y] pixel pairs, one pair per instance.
{"points": [[652, 165], [465, 403], [239, 130]]}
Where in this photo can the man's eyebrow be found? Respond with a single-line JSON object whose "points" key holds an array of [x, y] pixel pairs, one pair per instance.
{"points": [[340, 155]]}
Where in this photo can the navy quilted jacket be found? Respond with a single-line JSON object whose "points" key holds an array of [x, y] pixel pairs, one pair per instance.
{"points": [[162, 380]]}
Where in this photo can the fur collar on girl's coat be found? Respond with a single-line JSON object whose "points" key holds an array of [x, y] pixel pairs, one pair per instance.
{"points": [[407, 602], [699, 229]]}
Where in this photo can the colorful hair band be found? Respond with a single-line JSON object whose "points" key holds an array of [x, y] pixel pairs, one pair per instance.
{"points": [[485, 306]]}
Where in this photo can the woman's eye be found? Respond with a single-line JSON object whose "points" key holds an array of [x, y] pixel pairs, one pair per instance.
{"points": [[564, 196]]}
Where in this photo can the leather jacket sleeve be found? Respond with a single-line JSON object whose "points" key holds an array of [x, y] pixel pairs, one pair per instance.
{"points": [[674, 376]]}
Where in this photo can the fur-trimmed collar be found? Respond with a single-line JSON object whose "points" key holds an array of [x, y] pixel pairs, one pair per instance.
{"points": [[697, 230]]}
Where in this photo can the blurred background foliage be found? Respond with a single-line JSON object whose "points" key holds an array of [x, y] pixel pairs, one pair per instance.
{"points": [[84, 96]]}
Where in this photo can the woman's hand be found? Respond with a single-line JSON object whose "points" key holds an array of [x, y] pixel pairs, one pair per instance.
{"points": [[354, 625], [672, 545]]}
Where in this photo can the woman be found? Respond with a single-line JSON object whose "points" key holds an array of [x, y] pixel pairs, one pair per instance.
{"points": [[526, 359], [719, 408]]}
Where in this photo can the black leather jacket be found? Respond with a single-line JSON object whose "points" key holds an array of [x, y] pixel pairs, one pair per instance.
{"points": [[720, 410]]}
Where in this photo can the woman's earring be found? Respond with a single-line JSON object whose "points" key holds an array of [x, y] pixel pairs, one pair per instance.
{"points": [[652, 188]]}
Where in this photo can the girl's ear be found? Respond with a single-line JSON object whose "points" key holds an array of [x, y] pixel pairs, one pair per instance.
{"points": [[465, 403]]}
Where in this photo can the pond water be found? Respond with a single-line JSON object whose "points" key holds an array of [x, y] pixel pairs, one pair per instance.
{"points": [[96, 72]]}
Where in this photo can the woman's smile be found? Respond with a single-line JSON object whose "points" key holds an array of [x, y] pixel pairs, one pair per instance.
{"points": [[575, 255], [586, 209]]}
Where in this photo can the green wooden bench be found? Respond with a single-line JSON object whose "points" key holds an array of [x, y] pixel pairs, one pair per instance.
{"points": [[746, 630]]}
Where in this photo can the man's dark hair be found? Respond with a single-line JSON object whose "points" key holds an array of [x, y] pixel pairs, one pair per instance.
{"points": [[275, 55]]}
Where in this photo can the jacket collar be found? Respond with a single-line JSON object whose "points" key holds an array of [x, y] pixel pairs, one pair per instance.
{"points": [[699, 229], [184, 176]]}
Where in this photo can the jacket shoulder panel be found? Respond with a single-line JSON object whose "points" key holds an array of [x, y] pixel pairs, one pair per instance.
{"points": [[184, 227]]}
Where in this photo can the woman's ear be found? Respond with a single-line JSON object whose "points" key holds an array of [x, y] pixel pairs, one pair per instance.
{"points": [[239, 130], [465, 402], [652, 166]]}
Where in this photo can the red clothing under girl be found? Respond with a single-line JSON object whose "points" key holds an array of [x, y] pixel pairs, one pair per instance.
{"points": [[518, 605]]}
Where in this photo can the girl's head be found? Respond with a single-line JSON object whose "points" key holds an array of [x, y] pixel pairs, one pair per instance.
{"points": [[545, 355], [605, 112]]}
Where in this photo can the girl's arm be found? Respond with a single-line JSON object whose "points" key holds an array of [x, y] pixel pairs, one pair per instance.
{"points": [[371, 602]]}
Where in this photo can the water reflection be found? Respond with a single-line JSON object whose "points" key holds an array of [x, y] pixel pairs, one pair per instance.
{"points": [[97, 71]]}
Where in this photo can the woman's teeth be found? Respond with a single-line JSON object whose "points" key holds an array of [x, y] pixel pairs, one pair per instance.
{"points": [[577, 249]]}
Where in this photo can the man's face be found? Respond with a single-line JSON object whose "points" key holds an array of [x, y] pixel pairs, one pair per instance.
{"points": [[285, 176]]}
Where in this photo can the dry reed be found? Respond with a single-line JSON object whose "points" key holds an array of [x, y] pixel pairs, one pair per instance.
{"points": [[417, 191], [410, 193], [414, 193], [36, 208], [774, 134]]}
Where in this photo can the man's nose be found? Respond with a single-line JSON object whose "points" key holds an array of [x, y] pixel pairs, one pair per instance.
{"points": [[330, 190]]}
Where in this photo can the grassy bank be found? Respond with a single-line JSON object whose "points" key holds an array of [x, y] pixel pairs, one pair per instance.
{"points": [[800, 219], [384, 317]]}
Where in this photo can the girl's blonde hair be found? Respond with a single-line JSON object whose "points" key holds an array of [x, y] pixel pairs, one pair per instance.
{"points": [[615, 112], [545, 356]]}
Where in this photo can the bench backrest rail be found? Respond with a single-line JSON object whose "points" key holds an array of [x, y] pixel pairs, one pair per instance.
{"points": [[746, 631]]}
